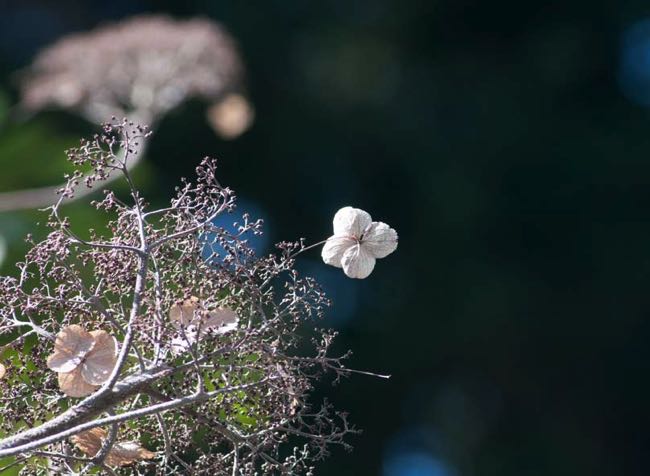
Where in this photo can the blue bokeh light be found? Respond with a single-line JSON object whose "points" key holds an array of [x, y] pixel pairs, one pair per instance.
{"points": [[634, 66], [341, 290], [414, 451], [227, 221], [415, 463]]}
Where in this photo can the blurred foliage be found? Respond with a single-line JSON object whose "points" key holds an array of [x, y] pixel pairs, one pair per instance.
{"points": [[495, 138]]}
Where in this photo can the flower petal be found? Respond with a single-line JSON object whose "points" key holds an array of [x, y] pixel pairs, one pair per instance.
{"points": [[128, 452], [100, 361], [183, 313], [221, 320], [121, 454], [89, 441], [3, 371], [379, 239], [73, 384], [334, 249], [72, 344], [357, 262], [350, 221]]}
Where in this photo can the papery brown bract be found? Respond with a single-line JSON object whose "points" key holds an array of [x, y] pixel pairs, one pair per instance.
{"points": [[72, 345], [121, 454], [100, 361]]}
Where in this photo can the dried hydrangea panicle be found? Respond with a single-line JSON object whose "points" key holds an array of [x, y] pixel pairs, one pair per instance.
{"points": [[121, 454], [228, 359], [143, 66], [358, 242], [84, 360]]}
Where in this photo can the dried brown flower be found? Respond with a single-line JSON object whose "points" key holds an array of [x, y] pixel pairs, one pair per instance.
{"points": [[121, 454], [83, 360]]}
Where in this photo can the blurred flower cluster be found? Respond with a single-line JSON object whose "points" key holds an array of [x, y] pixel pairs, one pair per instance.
{"points": [[142, 67]]}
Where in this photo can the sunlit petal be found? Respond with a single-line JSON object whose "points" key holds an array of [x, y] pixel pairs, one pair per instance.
{"points": [[350, 221], [72, 344], [183, 313], [380, 239], [221, 320], [100, 361], [334, 249], [357, 262], [74, 385]]}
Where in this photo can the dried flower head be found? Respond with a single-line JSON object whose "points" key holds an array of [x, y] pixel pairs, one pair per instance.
{"points": [[358, 242], [83, 360], [121, 454], [143, 66]]}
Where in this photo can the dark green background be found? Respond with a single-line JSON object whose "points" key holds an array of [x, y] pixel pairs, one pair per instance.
{"points": [[501, 139]]}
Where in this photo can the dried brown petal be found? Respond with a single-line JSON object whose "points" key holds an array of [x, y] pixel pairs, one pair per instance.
{"points": [[127, 453], [89, 441], [221, 320], [72, 344], [183, 313], [122, 454], [74, 385], [99, 362]]}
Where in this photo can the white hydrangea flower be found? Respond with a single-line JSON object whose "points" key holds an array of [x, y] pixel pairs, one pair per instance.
{"points": [[358, 242]]}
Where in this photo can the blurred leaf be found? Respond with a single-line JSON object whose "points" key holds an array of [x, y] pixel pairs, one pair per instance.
{"points": [[32, 155], [13, 471]]}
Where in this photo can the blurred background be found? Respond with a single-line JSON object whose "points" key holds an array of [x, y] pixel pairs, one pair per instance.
{"points": [[508, 143]]}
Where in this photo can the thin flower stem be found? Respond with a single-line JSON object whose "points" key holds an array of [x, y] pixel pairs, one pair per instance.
{"points": [[306, 248], [140, 285]]}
